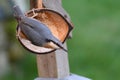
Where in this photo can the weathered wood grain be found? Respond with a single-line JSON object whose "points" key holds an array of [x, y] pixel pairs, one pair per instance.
{"points": [[52, 65]]}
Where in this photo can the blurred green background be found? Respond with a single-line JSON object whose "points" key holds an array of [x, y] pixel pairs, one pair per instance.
{"points": [[94, 50]]}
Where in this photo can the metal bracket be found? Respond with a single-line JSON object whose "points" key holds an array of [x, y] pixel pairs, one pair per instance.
{"points": [[71, 77]]}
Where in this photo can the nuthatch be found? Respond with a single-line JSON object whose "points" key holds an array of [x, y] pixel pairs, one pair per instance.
{"points": [[38, 33]]}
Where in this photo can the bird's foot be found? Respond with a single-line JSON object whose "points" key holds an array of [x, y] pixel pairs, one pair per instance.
{"points": [[34, 13], [18, 33]]}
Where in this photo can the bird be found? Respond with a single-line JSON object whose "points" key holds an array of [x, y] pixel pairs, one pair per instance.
{"points": [[36, 32]]}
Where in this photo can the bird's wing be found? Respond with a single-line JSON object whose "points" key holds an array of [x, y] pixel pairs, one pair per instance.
{"points": [[33, 23], [37, 25], [57, 42], [32, 35]]}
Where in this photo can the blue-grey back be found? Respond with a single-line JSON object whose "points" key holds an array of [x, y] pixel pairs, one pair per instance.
{"points": [[32, 35], [39, 27]]}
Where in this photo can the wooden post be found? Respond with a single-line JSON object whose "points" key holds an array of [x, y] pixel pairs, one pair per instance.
{"points": [[52, 65]]}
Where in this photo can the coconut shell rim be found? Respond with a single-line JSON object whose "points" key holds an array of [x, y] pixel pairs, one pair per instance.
{"points": [[70, 27]]}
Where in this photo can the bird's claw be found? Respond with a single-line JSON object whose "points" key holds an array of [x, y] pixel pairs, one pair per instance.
{"points": [[34, 13], [18, 33]]}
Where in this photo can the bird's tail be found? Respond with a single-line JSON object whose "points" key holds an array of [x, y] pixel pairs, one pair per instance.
{"points": [[58, 43]]}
